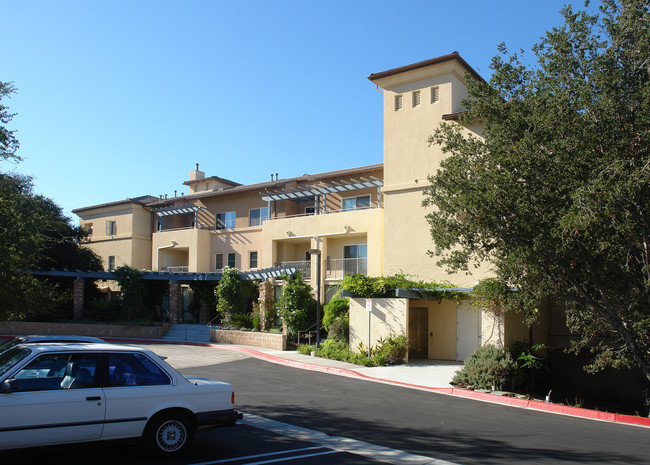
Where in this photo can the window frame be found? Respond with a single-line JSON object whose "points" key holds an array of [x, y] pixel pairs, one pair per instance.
{"points": [[356, 203], [435, 94], [111, 228], [399, 102], [252, 266], [217, 258], [416, 99], [263, 213], [228, 220]]}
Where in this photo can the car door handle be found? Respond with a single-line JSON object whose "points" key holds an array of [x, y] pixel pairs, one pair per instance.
{"points": [[93, 398]]}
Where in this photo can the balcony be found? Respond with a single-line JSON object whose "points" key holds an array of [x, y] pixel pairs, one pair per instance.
{"points": [[336, 267], [339, 267], [176, 269]]}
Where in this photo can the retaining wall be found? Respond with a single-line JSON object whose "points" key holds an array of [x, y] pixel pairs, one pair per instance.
{"points": [[249, 338], [132, 332]]}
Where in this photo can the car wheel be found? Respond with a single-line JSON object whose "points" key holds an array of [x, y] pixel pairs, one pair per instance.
{"points": [[169, 434]]}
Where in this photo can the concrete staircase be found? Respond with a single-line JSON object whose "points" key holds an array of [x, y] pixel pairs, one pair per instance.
{"points": [[192, 333]]}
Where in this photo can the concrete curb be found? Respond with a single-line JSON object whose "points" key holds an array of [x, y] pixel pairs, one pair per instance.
{"points": [[480, 396]]}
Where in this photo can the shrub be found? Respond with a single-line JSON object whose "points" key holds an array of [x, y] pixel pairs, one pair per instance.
{"points": [[297, 306], [392, 350], [487, 366], [335, 308]]}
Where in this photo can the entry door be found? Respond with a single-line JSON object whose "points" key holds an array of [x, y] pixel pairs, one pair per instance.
{"points": [[418, 332], [468, 331]]}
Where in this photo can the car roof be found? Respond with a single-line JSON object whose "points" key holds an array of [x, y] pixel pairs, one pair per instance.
{"points": [[83, 347]]}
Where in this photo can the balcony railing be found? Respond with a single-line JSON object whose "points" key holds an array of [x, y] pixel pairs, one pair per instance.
{"points": [[176, 269], [302, 265], [339, 267], [336, 268]]}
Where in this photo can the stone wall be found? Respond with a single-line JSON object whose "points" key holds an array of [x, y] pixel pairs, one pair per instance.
{"points": [[249, 338], [118, 331]]}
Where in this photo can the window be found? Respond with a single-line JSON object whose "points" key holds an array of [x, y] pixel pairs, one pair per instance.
{"points": [[111, 263], [356, 203], [355, 258], [258, 216], [310, 210], [226, 220], [88, 228], [231, 260], [416, 98], [111, 228], [58, 371], [218, 262], [126, 369], [435, 94], [398, 102], [252, 260]]}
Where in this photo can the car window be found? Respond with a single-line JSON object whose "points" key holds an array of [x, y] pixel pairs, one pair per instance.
{"points": [[58, 371], [131, 369], [9, 343], [11, 357]]}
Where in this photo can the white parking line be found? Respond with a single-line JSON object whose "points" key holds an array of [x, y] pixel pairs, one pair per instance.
{"points": [[269, 454], [341, 444]]}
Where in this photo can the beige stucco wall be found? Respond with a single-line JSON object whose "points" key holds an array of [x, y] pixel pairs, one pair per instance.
{"points": [[131, 245], [189, 249], [389, 317], [408, 160], [241, 241]]}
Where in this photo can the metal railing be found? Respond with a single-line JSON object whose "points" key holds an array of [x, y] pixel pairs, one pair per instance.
{"points": [[176, 269], [339, 267], [303, 265]]}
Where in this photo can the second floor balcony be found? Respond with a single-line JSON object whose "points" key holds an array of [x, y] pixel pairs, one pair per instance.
{"points": [[336, 267]]}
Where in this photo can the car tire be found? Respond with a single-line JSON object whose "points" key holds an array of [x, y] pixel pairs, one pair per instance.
{"points": [[169, 434]]}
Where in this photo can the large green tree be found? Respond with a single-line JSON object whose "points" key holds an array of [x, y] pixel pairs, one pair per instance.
{"points": [[556, 192]]}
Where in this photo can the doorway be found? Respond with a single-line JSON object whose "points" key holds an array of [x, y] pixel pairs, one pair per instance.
{"points": [[418, 332]]}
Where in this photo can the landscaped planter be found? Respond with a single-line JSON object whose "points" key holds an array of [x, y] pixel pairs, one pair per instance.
{"points": [[249, 338]]}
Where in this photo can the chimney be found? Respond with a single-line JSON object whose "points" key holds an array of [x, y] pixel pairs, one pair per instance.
{"points": [[276, 176]]}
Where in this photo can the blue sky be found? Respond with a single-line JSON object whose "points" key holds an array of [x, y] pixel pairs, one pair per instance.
{"points": [[118, 99]]}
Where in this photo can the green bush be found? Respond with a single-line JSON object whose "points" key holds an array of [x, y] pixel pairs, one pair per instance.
{"points": [[306, 349], [392, 350], [335, 308], [297, 306], [487, 366]]}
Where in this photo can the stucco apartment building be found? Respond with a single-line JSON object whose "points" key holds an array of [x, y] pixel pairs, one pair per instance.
{"points": [[367, 219]]}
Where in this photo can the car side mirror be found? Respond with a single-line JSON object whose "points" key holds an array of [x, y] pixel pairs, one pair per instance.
{"points": [[9, 385]]}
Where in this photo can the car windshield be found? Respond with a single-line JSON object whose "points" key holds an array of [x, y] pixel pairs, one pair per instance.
{"points": [[9, 343], [11, 357]]}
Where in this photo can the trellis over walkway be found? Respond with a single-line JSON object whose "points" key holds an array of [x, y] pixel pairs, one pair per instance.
{"points": [[175, 281]]}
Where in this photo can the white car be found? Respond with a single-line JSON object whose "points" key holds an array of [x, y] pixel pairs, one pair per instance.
{"points": [[59, 393]]}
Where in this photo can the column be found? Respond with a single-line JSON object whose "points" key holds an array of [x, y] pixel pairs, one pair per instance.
{"points": [[78, 298], [174, 302]]}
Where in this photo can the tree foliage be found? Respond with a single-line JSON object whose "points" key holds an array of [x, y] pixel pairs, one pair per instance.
{"points": [[234, 296], [35, 234], [297, 306], [556, 193], [8, 142]]}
